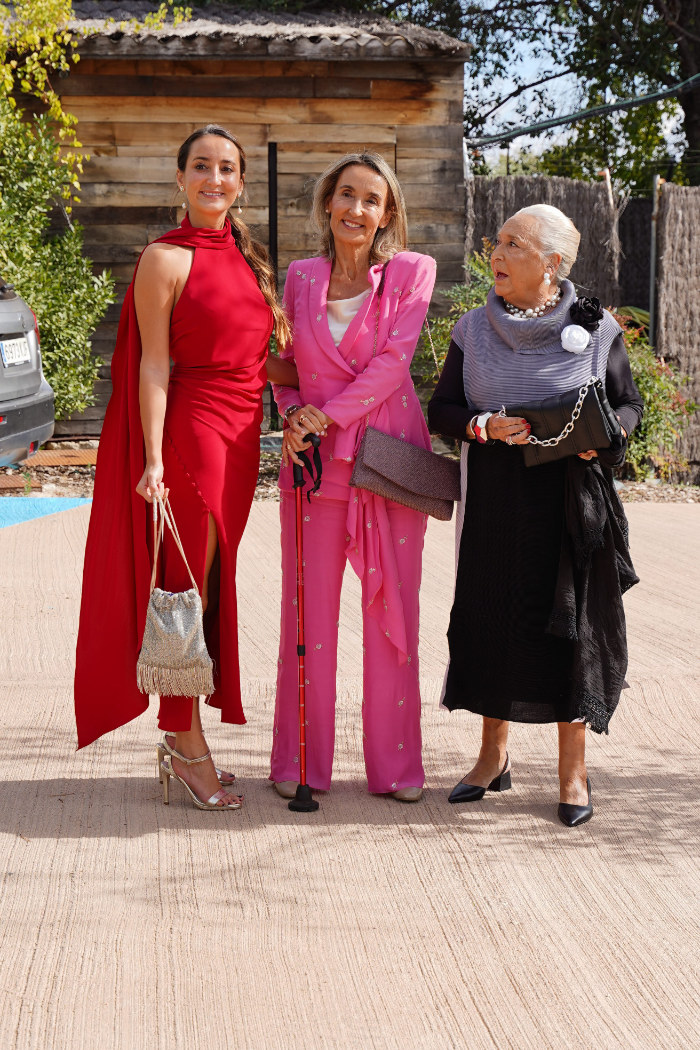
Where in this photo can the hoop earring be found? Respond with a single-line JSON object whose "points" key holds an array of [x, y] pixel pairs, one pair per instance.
{"points": [[547, 279]]}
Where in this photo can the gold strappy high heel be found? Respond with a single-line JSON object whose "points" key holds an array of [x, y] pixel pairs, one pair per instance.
{"points": [[168, 772], [163, 748]]}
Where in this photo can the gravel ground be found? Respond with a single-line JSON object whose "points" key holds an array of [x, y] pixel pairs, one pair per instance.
{"points": [[78, 481], [658, 492]]}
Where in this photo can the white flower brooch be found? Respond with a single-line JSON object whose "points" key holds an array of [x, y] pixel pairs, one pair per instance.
{"points": [[575, 339]]}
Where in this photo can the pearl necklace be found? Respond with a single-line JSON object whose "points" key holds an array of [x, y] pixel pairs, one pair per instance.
{"points": [[536, 311]]}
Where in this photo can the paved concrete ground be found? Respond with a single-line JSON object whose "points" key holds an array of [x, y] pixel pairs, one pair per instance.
{"points": [[369, 925]]}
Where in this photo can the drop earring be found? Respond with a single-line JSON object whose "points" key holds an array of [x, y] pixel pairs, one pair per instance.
{"points": [[184, 202], [238, 202], [547, 279]]}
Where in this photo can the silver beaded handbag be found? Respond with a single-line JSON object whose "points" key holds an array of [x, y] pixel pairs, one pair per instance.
{"points": [[173, 660]]}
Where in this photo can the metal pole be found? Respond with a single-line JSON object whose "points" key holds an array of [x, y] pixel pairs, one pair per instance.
{"points": [[272, 242], [272, 202], [656, 197]]}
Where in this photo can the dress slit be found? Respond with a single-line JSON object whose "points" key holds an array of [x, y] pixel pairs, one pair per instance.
{"points": [[192, 515]]}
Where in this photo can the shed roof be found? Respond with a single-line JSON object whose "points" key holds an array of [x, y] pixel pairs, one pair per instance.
{"points": [[240, 31]]}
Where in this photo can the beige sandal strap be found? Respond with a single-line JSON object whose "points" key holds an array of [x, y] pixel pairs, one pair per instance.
{"points": [[187, 761]]}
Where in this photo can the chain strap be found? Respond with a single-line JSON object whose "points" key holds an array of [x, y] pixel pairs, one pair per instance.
{"points": [[380, 289], [432, 347], [551, 442]]}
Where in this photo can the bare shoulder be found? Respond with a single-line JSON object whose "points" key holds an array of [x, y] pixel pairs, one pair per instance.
{"points": [[169, 262]]}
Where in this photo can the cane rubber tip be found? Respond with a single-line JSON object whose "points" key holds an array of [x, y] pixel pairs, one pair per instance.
{"points": [[302, 801]]}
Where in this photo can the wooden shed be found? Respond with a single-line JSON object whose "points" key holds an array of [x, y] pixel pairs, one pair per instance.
{"points": [[298, 90]]}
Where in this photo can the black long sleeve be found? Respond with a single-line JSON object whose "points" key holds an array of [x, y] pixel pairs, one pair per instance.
{"points": [[624, 398], [620, 386], [448, 409]]}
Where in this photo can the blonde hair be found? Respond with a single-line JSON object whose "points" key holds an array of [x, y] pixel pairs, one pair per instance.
{"points": [[387, 242], [254, 253], [557, 234]]}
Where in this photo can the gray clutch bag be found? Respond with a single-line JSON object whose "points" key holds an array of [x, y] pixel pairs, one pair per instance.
{"points": [[412, 476], [173, 660]]}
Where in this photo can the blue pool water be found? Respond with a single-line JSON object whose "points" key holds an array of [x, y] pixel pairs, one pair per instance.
{"points": [[16, 509]]}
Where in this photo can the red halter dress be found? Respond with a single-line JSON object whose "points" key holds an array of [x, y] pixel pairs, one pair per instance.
{"points": [[219, 334]]}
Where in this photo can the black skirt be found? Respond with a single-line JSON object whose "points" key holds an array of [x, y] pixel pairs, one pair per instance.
{"points": [[503, 662]]}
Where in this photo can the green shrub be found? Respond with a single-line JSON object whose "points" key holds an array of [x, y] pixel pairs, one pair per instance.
{"points": [[40, 168], [48, 269], [667, 409], [461, 297]]}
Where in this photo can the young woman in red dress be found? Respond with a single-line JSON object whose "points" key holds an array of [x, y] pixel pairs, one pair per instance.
{"points": [[188, 374]]}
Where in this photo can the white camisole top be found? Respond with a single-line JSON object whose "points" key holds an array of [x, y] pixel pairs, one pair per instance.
{"points": [[340, 313]]}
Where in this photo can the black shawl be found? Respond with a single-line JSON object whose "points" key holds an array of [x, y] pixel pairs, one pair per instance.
{"points": [[595, 570]]}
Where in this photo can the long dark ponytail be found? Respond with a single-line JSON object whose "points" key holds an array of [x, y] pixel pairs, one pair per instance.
{"points": [[254, 253]]}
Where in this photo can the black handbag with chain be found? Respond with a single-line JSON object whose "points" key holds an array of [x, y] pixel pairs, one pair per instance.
{"points": [[568, 423]]}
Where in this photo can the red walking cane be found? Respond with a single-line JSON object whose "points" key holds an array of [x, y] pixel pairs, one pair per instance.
{"points": [[302, 802]]}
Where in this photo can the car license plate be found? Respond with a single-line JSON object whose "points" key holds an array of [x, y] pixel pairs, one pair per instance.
{"points": [[14, 351]]}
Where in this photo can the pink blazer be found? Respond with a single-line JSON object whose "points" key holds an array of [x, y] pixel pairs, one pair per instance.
{"points": [[352, 383], [358, 383]]}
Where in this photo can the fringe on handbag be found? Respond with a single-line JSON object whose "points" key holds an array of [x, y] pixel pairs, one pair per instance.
{"points": [[173, 660]]}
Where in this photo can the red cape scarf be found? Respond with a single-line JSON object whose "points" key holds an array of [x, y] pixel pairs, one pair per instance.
{"points": [[117, 567]]}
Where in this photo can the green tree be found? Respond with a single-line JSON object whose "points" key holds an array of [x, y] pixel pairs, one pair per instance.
{"points": [[611, 50], [633, 144], [40, 168], [48, 269]]}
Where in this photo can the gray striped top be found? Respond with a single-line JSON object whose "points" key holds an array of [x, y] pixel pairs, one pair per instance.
{"points": [[511, 359]]}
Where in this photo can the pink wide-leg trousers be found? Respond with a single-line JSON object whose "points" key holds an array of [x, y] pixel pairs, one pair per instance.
{"points": [[391, 700]]}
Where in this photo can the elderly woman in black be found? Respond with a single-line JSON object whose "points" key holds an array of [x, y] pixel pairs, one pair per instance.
{"points": [[537, 629]]}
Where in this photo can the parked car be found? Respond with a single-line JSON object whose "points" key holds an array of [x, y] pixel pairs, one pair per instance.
{"points": [[26, 399]]}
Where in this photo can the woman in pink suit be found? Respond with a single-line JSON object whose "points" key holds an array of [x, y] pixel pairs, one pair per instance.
{"points": [[357, 312]]}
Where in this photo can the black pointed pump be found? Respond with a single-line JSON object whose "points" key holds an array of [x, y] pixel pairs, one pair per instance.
{"points": [[471, 793]]}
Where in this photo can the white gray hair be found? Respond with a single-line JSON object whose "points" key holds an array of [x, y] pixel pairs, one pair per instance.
{"points": [[557, 234]]}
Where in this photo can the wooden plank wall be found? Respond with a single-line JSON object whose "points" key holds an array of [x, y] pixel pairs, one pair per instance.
{"points": [[134, 114]]}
